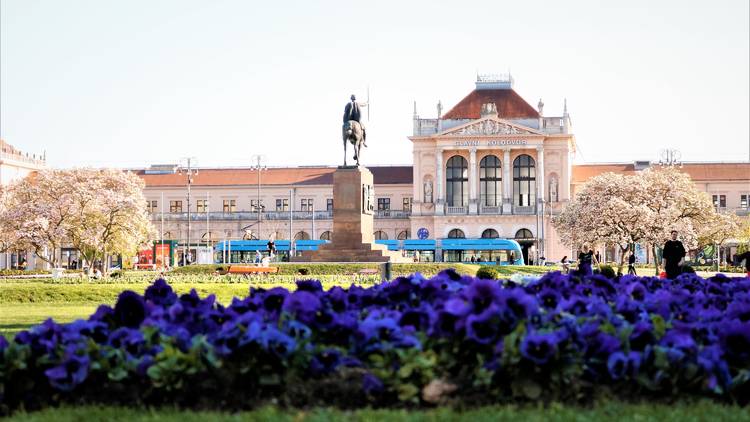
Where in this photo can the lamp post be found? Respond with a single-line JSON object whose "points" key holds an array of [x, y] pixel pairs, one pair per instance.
{"points": [[257, 159], [189, 171]]}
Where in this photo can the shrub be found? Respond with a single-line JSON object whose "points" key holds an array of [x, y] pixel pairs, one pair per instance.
{"points": [[607, 271], [489, 273]]}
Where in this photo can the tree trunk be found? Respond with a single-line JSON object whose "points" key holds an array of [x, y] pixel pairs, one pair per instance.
{"points": [[622, 258], [656, 261]]}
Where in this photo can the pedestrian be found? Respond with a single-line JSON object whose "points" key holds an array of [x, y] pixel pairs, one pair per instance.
{"points": [[598, 257], [746, 257], [472, 259], [585, 259], [673, 254], [565, 264], [631, 264], [258, 257]]}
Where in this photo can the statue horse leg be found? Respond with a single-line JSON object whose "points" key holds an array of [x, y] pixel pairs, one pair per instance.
{"points": [[345, 140], [357, 148]]}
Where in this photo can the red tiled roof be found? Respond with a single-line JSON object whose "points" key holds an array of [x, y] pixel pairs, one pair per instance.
{"points": [[696, 171], [389, 175], [8, 148], [509, 105]]}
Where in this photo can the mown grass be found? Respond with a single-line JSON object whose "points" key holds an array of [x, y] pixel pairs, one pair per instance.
{"points": [[608, 411], [15, 317]]}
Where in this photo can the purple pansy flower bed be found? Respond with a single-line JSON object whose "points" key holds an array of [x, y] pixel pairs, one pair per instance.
{"points": [[560, 337]]}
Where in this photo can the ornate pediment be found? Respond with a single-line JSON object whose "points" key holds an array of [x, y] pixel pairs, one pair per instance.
{"points": [[489, 126]]}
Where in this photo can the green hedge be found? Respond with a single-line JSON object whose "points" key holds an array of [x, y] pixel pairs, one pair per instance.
{"points": [[335, 269]]}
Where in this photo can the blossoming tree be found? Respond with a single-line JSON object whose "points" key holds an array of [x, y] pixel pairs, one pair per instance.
{"points": [[604, 211], [37, 214], [621, 210], [95, 211]]}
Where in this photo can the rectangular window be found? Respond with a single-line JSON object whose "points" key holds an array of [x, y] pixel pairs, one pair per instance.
{"points": [[329, 204], [720, 201], [282, 205], [306, 204], [175, 206], [744, 199], [202, 205], [151, 206], [406, 204], [384, 204], [230, 205], [255, 205]]}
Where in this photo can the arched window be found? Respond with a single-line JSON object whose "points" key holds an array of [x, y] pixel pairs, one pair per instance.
{"points": [[524, 181], [490, 177], [380, 235], [456, 234], [326, 235], [249, 235], [524, 234], [279, 236], [301, 236], [167, 235], [457, 182], [210, 236], [490, 234], [403, 235]]}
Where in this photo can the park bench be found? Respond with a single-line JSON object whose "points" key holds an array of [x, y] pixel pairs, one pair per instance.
{"points": [[251, 269], [368, 271]]}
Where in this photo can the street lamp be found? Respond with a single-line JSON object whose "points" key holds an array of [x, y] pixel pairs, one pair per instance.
{"points": [[670, 157], [189, 171], [258, 167]]}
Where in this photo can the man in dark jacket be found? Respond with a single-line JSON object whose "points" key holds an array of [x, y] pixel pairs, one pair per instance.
{"points": [[631, 264], [746, 257], [673, 254]]}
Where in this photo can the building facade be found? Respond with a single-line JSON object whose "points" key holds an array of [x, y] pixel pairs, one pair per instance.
{"points": [[492, 166]]}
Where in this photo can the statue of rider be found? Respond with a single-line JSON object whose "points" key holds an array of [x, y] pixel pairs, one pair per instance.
{"points": [[352, 112]]}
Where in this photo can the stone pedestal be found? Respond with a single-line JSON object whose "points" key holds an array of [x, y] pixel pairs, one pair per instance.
{"points": [[353, 209]]}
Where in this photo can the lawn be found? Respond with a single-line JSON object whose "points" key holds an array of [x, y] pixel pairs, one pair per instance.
{"points": [[609, 411]]}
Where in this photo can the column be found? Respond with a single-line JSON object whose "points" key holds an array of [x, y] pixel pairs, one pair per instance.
{"points": [[439, 201], [507, 191], [473, 181], [541, 188]]}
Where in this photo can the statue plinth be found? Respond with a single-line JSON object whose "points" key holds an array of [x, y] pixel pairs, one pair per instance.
{"points": [[353, 209]]}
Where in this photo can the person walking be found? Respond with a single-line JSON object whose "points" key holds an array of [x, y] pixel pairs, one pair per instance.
{"points": [[744, 257], [631, 264], [565, 264], [585, 259], [673, 254]]}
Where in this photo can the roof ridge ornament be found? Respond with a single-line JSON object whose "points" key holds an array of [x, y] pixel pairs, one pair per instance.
{"points": [[488, 109]]}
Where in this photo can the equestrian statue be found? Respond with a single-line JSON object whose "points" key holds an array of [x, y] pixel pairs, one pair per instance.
{"points": [[353, 130]]}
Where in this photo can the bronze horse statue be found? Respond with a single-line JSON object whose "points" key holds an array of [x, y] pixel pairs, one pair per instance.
{"points": [[353, 132]]}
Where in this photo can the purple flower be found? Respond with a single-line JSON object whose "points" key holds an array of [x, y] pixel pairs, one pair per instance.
{"points": [[129, 309], [160, 293], [539, 348], [71, 372], [302, 305], [481, 294], [735, 340], [371, 384], [312, 286], [520, 303], [127, 339], [617, 365], [485, 327]]}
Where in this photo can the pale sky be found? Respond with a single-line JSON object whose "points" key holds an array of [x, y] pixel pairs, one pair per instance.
{"points": [[135, 82]]}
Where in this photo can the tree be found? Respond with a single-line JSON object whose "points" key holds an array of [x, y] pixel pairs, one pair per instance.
{"points": [[604, 211], [645, 207], [96, 211], [36, 214], [111, 214]]}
